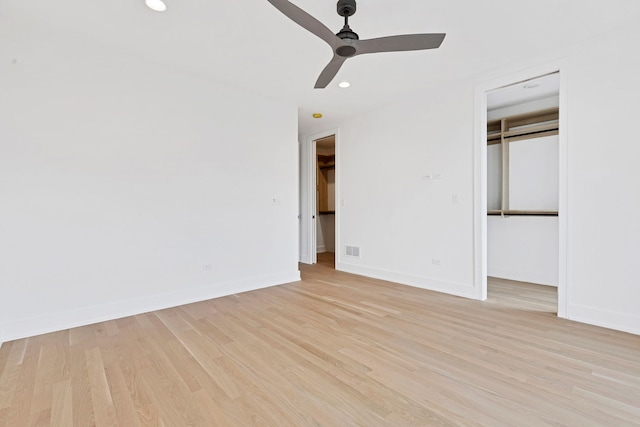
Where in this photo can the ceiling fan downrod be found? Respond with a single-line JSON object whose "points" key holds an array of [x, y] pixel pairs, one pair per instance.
{"points": [[347, 8]]}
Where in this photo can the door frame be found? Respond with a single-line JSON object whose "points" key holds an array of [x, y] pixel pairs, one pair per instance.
{"points": [[308, 202], [480, 176]]}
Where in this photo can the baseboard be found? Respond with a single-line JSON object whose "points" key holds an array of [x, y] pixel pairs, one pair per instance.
{"points": [[451, 288], [321, 249], [32, 326], [523, 276], [625, 322]]}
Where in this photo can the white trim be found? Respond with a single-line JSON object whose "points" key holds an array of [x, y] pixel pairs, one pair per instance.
{"points": [[446, 287], [604, 318], [321, 249], [32, 326], [480, 268], [300, 250], [338, 204], [563, 202], [480, 177], [312, 202]]}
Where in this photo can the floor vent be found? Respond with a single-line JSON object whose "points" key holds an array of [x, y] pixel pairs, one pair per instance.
{"points": [[353, 251]]}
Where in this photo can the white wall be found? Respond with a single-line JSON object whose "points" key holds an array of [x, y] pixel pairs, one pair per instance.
{"points": [[523, 248], [326, 233], [328, 222], [524, 107], [127, 187], [320, 245], [402, 222], [604, 227]]}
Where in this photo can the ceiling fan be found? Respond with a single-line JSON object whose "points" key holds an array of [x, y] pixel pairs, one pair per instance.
{"points": [[346, 43]]}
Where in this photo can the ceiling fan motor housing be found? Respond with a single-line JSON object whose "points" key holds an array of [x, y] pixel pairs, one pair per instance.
{"points": [[346, 33], [346, 7]]}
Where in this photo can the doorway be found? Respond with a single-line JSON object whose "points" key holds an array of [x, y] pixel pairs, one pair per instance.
{"points": [[523, 188], [326, 200], [503, 177], [319, 179]]}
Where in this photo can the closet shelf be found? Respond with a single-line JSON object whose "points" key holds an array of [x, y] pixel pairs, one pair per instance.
{"points": [[524, 126], [522, 213]]}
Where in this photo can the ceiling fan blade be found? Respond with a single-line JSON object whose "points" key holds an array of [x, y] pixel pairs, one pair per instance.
{"points": [[399, 43], [330, 71], [305, 20]]}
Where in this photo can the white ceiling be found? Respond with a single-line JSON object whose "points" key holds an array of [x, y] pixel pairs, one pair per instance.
{"points": [[327, 143], [250, 44], [530, 90]]}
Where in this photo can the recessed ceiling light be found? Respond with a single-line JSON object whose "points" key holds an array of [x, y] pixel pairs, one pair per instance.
{"points": [[157, 5], [531, 85], [344, 84], [317, 115]]}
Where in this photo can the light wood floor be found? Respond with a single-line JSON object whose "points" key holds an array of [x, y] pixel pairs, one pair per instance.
{"points": [[332, 350]]}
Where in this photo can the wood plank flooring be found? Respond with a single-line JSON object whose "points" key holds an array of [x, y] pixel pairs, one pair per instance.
{"points": [[333, 350]]}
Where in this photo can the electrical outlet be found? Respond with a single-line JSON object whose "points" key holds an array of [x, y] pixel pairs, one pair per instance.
{"points": [[437, 175], [436, 261], [426, 177], [207, 267]]}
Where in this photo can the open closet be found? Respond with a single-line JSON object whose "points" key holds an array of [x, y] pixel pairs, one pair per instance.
{"points": [[523, 181], [325, 193]]}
